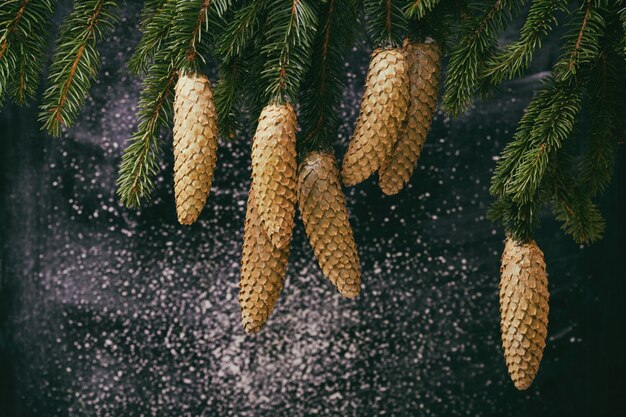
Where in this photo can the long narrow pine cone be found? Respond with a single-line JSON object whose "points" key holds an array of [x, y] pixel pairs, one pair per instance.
{"points": [[424, 63], [383, 108], [325, 216], [524, 309], [263, 268], [274, 171], [195, 145]]}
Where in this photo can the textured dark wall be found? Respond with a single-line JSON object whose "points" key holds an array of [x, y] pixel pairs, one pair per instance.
{"points": [[110, 312]]}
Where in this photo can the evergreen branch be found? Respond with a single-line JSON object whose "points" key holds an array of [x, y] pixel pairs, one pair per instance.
{"points": [[140, 162], [244, 26], [553, 125], [75, 62], [607, 115], [477, 44], [24, 28], [238, 71], [191, 16], [386, 22], [157, 21], [321, 96], [581, 45], [516, 57], [572, 205], [290, 34], [227, 96], [514, 151], [520, 220], [417, 9], [580, 217]]}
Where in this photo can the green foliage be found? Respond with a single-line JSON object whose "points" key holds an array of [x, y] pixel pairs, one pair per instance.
{"points": [[24, 26], [545, 164], [419, 8], [242, 30], [321, 95], [581, 44], [275, 51], [516, 57], [289, 33], [607, 114], [532, 149], [386, 22], [75, 62], [476, 46], [519, 220], [240, 65], [140, 162], [183, 48], [156, 24]]}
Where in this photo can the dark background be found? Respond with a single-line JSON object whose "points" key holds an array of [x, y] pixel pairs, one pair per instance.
{"points": [[106, 311]]}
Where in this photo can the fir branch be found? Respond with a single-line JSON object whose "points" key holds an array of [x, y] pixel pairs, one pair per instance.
{"points": [[607, 114], [290, 34], [321, 96], [516, 57], [140, 162], [244, 26], [386, 22], [157, 21], [580, 217], [417, 9], [183, 50], [519, 220], [552, 126], [238, 71], [571, 203], [75, 62], [477, 44], [24, 26], [581, 45], [191, 18], [227, 96]]}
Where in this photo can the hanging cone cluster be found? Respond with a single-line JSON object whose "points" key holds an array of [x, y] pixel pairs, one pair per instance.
{"points": [[325, 216], [195, 145], [383, 109], [274, 171], [424, 68], [263, 268], [269, 217], [524, 309]]}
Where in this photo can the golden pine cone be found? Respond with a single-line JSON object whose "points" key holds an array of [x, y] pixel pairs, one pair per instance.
{"points": [[325, 216], [195, 145], [523, 309], [274, 171], [263, 268], [383, 108], [424, 63]]}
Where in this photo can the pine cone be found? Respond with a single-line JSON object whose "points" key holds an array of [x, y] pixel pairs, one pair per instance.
{"points": [[195, 145], [323, 209], [424, 63], [274, 171], [523, 309], [383, 108], [263, 268]]}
